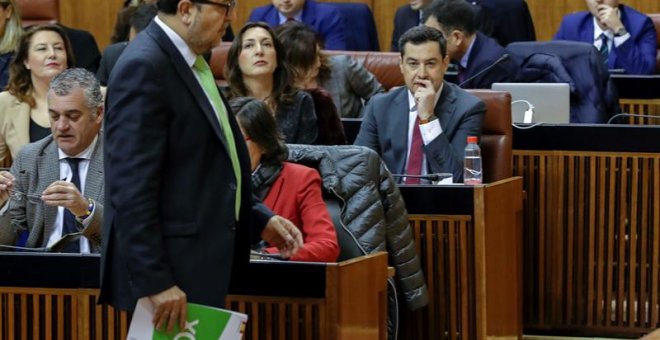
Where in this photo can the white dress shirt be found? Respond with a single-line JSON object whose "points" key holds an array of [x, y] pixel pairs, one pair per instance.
{"points": [[66, 174], [429, 131]]}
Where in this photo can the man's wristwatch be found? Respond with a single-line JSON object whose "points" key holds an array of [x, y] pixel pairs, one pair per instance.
{"points": [[90, 208], [621, 32], [429, 119]]}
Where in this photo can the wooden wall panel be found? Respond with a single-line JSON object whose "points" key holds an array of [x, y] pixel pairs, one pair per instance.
{"points": [[384, 15], [98, 17]]}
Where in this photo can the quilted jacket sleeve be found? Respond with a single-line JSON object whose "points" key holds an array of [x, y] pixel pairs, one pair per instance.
{"points": [[401, 244]]}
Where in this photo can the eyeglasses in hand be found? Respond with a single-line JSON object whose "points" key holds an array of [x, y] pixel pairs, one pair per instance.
{"points": [[20, 196]]}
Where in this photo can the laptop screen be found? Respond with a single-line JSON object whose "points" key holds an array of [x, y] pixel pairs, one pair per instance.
{"points": [[538, 102]]}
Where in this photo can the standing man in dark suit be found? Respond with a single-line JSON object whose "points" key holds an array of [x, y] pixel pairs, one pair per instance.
{"points": [[437, 116], [323, 18], [179, 208], [43, 203], [625, 37], [473, 51], [407, 17]]}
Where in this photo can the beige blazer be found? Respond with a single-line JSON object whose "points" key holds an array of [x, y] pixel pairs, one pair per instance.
{"points": [[14, 126]]}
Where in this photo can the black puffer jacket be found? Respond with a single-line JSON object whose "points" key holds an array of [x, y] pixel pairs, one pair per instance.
{"points": [[373, 210]]}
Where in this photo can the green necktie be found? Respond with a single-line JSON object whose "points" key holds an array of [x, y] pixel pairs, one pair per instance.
{"points": [[211, 89]]}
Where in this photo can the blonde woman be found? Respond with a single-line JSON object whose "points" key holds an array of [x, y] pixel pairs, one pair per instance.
{"points": [[10, 35], [44, 51]]}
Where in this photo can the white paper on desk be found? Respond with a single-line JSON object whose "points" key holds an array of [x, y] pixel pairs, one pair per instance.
{"points": [[444, 178], [203, 322]]}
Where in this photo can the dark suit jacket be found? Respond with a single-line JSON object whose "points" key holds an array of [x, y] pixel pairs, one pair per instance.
{"points": [[636, 55], [404, 19], [170, 184], [108, 61], [385, 129], [84, 47], [297, 119], [324, 18], [359, 22], [486, 51], [506, 21]]}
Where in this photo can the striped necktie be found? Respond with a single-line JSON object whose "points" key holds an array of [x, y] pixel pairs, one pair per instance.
{"points": [[604, 50], [211, 89]]}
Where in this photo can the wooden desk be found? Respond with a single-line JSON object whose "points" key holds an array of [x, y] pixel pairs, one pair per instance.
{"points": [[640, 95], [470, 244], [53, 296], [592, 215]]}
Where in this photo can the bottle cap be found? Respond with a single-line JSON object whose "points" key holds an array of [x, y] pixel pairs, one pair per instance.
{"points": [[472, 139]]}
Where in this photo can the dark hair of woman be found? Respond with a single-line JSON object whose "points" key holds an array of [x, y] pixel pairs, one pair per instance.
{"points": [[258, 124], [283, 91], [301, 52], [20, 79]]}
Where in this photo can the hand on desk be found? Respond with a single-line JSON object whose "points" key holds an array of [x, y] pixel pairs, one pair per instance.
{"points": [[284, 235]]}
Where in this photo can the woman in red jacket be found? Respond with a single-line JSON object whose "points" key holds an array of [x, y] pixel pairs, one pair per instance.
{"points": [[291, 190]]}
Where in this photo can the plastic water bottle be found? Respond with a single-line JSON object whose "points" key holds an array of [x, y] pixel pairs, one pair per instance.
{"points": [[472, 162]]}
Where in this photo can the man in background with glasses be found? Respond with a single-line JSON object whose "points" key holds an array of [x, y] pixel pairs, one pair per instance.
{"points": [[179, 214], [55, 185]]}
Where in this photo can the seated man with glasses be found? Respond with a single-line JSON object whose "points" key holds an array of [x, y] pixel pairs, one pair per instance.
{"points": [[55, 185]]}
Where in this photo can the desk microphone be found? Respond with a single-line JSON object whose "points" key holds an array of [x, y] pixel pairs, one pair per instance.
{"points": [[631, 115], [502, 59], [431, 177]]}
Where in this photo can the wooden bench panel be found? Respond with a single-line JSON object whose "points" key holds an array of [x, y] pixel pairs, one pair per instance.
{"points": [[592, 252], [33, 313], [649, 107], [446, 248]]}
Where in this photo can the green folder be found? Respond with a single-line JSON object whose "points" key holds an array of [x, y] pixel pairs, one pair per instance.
{"points": [[203, 322]]}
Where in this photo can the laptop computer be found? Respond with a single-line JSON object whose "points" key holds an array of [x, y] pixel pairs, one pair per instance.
{"points": [[548, 102]]}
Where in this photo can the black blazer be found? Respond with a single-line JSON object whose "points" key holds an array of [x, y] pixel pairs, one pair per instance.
{"points": [[169, 182], [85, 49], [485, 52], [108, 61], [404, 19], [506, 21]]}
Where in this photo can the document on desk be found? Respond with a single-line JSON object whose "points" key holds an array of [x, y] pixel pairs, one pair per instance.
{"points": [[203, 323]]}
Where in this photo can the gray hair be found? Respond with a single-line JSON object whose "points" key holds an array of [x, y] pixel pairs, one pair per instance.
{"points": [[73, 78]]}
